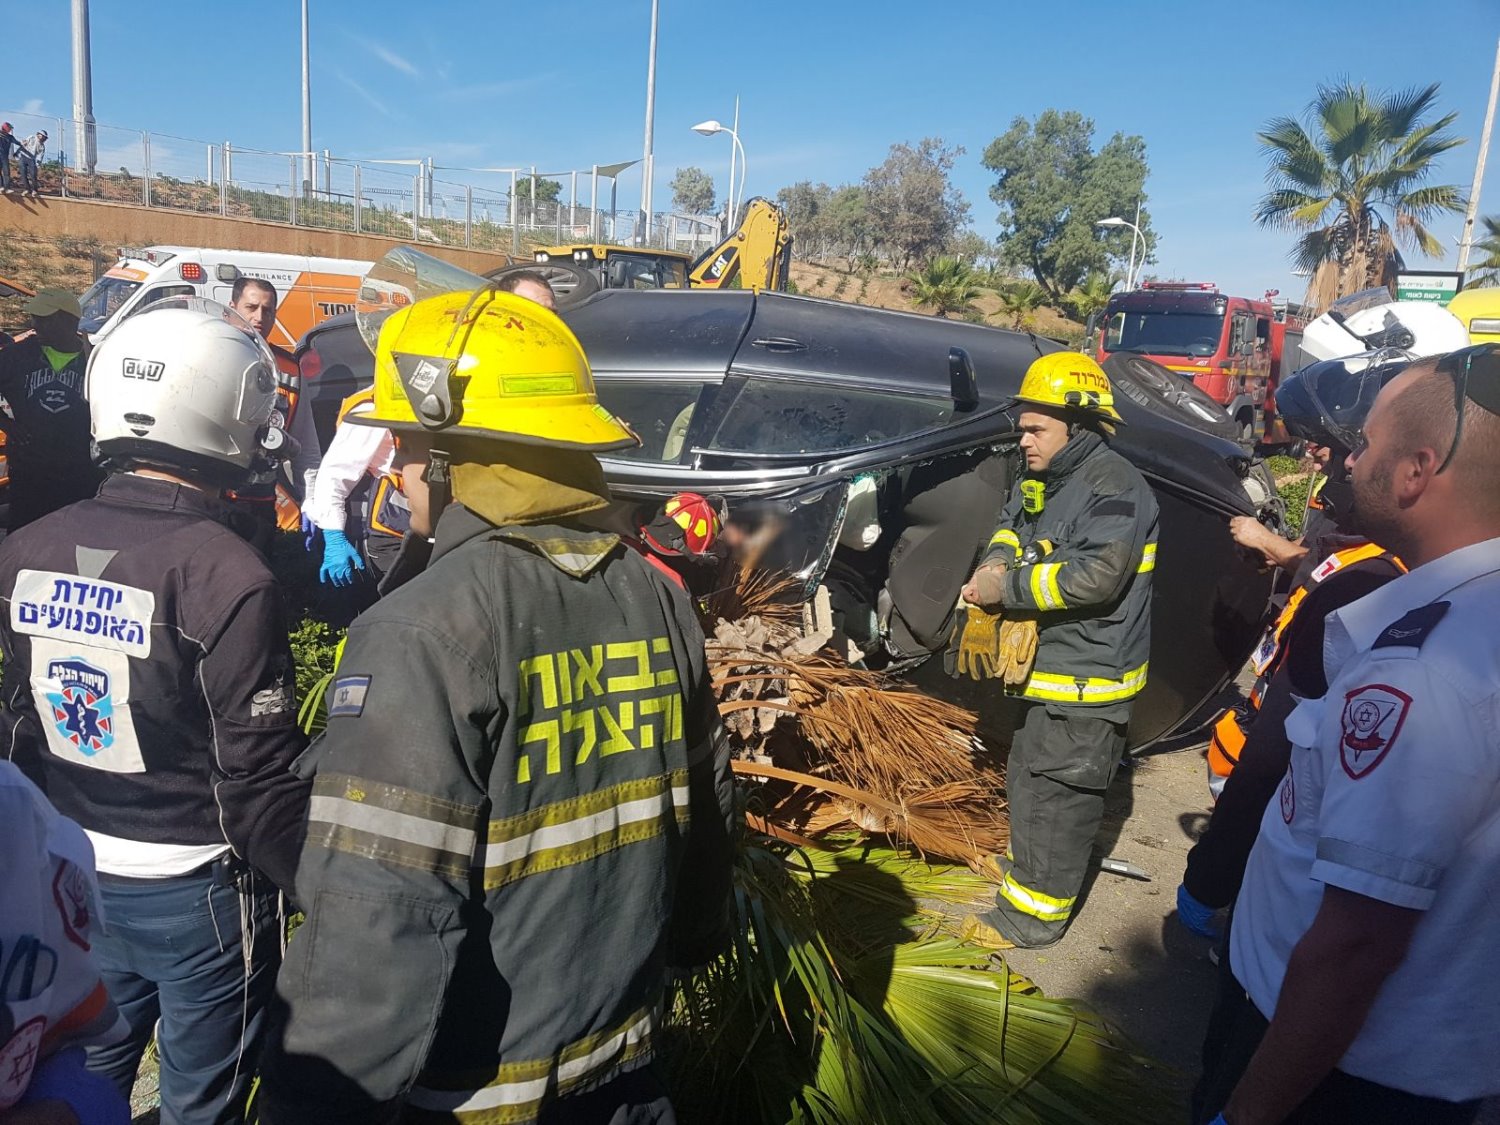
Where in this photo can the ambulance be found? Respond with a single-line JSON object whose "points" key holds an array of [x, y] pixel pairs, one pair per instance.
{"points": [[308, 290]]}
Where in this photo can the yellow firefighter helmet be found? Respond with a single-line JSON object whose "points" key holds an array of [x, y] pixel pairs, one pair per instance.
{"points": [[492, 365], [1069, 381]]}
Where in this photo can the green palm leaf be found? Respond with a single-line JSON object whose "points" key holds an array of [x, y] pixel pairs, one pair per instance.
{"points": [[1357, 156]]}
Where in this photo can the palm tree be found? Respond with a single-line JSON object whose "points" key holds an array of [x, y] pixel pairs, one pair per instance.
{"points": [[1091, 297], [1020, 301], [1486, 271], [946, 286], [1354, 182]]}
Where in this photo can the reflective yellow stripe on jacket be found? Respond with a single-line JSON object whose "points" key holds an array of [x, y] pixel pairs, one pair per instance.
{"points": [[1148, 559], [519, 1089], [1073, 689]]}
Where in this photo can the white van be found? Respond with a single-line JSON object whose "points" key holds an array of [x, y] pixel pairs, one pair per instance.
{"points": [[308, 290]]}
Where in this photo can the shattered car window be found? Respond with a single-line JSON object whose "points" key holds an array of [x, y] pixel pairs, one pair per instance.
{"points": [[659, 413], [775, 416]]}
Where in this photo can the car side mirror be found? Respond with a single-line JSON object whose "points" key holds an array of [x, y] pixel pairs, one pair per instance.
{"points": [[963, 386]]}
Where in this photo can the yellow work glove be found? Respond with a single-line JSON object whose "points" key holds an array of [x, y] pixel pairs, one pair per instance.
{"points": [[979, 648], [1016, 651]]}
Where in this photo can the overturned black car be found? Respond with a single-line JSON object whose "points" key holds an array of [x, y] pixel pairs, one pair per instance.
{"points": [[878, 448]]}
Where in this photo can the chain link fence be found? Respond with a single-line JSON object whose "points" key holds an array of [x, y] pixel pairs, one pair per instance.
{"points": [[414, 200]]}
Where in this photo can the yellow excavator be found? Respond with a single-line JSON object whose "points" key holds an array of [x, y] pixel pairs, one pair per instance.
{"points": [[758, 252]]}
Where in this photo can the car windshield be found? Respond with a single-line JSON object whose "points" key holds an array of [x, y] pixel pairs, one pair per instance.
{"points": [[777, 416], [1165, 333], [104, 299], [645, 271], [659, 413]]}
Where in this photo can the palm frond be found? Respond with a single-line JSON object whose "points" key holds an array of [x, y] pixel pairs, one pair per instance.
{"points": [[827, 1010]]}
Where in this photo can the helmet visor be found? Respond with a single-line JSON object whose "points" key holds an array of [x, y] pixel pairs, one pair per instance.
{"points": [[1340, 401]]}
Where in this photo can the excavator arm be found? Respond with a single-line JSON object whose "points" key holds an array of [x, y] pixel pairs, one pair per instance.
{"points": [[758, 251]]}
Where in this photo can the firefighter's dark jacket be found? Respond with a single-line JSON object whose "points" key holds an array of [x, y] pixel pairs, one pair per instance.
{"points": [[177, 731], [522, 815], [1086, 577]]}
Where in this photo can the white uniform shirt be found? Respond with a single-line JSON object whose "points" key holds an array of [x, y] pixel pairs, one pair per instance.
{"points": [[1394, 793], [353, 452]]}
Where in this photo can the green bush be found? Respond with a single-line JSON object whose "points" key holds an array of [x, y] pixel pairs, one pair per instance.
{"points": [[1293, 491], [1283, 466]]}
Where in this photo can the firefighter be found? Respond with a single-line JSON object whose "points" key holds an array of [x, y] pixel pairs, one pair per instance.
{"points": [[682, 539], [1248, 751], [150, 692], [1060, 610], [358, 500], [522, 810]]}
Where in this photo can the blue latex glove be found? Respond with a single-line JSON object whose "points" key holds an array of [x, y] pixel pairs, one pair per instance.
{"points": [[1195, 917], [92, 1097], [1219, 1120], [309, 532], [340, 559]]}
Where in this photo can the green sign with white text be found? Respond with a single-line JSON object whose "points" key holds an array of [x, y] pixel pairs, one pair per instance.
{"points": [[1427, 285]]}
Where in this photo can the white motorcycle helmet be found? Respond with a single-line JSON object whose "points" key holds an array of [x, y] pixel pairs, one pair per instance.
{"points": [[186, 385]]}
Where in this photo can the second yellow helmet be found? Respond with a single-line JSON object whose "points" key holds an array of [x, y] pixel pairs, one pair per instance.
{"points": [[1069, 381]]}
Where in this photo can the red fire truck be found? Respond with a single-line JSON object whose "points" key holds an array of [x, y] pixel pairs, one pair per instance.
{"points": [[1233, 348]]}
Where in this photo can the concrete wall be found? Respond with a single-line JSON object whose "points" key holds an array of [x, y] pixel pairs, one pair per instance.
{"points": [[118, 224]]}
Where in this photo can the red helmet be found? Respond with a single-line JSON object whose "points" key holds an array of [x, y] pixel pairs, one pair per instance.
{"points": [[688, 524]]}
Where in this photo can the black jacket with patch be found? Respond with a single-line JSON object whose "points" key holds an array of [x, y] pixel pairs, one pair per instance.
{"points": [[148, 680]]}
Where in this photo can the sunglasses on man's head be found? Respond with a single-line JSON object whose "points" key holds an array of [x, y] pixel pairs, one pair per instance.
{"points": [[1484, 392]]}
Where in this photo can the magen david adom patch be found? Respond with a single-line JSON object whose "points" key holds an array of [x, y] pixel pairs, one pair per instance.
{"points": [[1372, 720]]}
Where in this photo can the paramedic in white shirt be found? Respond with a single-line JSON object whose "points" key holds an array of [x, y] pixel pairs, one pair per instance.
{"points": [[1366, 937]]}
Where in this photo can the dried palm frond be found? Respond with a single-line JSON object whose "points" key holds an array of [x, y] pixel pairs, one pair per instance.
{"points": [[910, 764]]}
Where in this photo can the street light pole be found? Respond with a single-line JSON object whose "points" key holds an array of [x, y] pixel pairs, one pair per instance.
{"points": [[307, 152], [730, 210], [1116, 221], [648, 161], [1484, 151], [710, 128]]}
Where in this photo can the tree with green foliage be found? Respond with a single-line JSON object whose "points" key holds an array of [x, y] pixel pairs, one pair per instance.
{"points": [[913, 208], [693, 191], [803, 204], [1353, 179], [972, 247], [1019, 302], [945, 285], [547, 191], [1486, 271], [1053, 188], [849, 224]]}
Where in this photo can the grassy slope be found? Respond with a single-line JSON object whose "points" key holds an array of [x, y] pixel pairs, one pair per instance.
{"points": [[885, 291]]}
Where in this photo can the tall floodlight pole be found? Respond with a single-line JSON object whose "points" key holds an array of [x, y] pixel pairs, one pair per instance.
{"points": [[1467, 239], [307, 152], [647, 162], [83, 90]]}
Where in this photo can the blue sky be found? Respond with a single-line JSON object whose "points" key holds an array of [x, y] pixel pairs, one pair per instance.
{"points": [[826, 87]]}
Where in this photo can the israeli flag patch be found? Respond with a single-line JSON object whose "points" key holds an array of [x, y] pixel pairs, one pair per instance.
{"points": [[347, 698]]}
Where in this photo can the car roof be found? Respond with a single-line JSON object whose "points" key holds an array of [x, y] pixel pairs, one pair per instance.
{"points": [[791, 336]]}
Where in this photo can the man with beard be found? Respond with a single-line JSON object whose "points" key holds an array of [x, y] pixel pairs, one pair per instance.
{"points": [[1365, 935]]}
